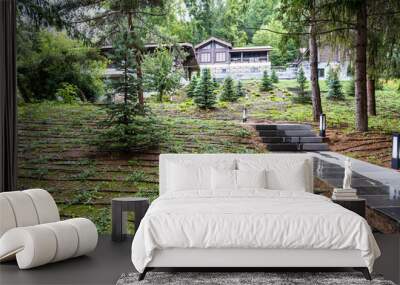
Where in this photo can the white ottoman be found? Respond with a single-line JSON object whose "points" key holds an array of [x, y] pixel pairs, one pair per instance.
{"points": [[31, 232]]}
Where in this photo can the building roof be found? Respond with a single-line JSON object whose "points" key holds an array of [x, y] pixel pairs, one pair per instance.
{"points": [[256, 48], [213, 39], [233, 49]]}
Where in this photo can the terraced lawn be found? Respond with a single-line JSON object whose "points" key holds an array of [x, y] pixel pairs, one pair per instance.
{"points": [[56, 148], [56, 152]]}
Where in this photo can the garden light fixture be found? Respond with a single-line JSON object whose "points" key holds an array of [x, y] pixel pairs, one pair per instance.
{"points": [[244, 115], [322, 125], [396, 151]]}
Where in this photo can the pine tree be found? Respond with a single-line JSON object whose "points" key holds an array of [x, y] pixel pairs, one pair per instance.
{"points": [[302, 82], [330, 76], [240, 92], [129, 125], [274, 77], [204, 96], [215, 83], [266, 83], [335, 88], [351, 88], [192, 86], [228, 92]]}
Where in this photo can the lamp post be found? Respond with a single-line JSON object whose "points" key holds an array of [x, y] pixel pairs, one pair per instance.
{"points": [[396, 151], [322, 125], [244, 115]]}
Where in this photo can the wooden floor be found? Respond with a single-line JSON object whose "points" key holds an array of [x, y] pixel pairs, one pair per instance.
{"points": [[110, 259]]}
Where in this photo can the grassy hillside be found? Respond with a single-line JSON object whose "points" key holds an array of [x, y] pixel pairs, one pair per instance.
{"points": [[56, 152]]}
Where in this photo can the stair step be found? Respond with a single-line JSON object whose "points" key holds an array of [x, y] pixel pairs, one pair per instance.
{"points": [[283, 147], [292, 139], [298, 147], [282, 127], [286, 133], [315, 147]]}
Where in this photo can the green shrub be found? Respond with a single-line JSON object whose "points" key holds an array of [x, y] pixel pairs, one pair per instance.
{"points": [[266, 83], [67, 93], [130, 128], [160, 73], [351, 88], [301, 98], [215, 83], [240, 92], [301, 81], [53, 60], [222, 105], [274, 77], [335, 88], [186, 105], [228, 93]]}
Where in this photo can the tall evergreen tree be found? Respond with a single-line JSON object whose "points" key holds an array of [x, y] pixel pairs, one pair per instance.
{"points": [[204, 96], [266, 83], [228, 92], [192, 86], [128, 124], [302, 82]]}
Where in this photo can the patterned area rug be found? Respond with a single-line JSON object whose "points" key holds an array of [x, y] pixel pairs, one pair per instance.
{"points": [[243, 278]]}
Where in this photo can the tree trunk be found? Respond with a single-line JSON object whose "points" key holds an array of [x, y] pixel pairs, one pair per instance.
{"points": [[316, 94], [371, 103], [139, 75], [138, 58], [371, 96], [361, 69]]}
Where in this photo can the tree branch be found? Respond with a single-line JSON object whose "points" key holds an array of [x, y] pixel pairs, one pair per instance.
{"points": [[300, 33]]}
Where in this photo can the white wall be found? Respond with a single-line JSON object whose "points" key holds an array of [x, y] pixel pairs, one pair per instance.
{"points": [[238, 70]]}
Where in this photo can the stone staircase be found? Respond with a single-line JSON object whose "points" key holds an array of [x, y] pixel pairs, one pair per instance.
{"points": [[290, 137]]}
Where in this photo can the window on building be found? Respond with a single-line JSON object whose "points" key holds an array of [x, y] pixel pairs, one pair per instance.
{"points": [[223, 70], [254, 69], [207, 46], [219, 46], [220, 56], [321, 72], [205, 57]]}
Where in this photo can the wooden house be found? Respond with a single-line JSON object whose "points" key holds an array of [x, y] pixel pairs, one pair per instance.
{"points": [[238, 62]]}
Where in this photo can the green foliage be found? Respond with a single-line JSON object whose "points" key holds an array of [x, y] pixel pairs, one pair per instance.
{"points": [[240, 92], [266, 83], [274, 77], [335, 87], [351, 88], [67, 93], [302, 96], [285, 49], [330, 76], [52, 60], [215, 83], [160, 73], [301, 81], [192, 86], [128, 125], [204, 96], [228, 92]]}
